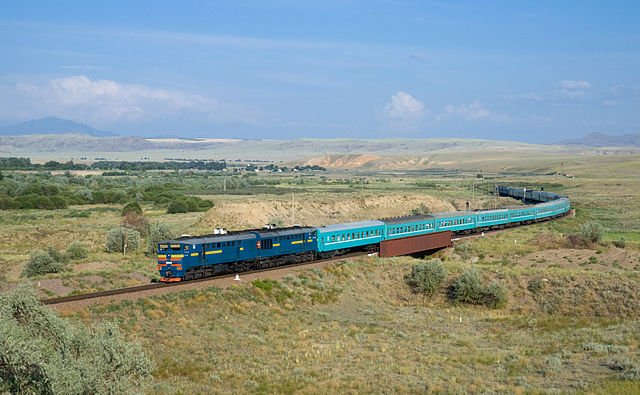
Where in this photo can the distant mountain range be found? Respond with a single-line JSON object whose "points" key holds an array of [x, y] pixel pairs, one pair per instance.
{"points": [[53, 125], [605, 140]]}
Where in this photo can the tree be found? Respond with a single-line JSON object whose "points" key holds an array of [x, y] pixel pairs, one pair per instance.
{"points": [[117, 237], [131, 207], [136, 221], [43, 353], [157, 233]]}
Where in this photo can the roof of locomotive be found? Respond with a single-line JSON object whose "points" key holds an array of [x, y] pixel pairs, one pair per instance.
{"points": [[240, 235]]}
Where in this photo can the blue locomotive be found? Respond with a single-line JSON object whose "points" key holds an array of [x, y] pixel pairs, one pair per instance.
{"points": [[187, 258]]}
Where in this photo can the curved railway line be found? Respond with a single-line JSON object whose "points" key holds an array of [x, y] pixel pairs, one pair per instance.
{"points": [[107, 294]]}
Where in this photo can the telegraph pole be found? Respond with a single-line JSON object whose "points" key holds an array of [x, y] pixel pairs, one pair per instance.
{"points": [[293, 209]]}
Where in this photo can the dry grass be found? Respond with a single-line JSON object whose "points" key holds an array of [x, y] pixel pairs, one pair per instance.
{"points": [[358, 327]]}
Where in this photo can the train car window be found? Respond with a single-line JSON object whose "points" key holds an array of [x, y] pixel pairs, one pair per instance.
{"points": [[333, 238]]}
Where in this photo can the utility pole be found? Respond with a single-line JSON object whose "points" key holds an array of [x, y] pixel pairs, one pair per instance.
{"points": [[474, 192], [126, 240], [293, 209], [224, 183]]}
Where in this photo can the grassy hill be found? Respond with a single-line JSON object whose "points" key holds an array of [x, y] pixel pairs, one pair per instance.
{"points": [[385, 154]]}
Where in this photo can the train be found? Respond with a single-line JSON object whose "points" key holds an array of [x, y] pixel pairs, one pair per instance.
{"points": [[192, 257]]}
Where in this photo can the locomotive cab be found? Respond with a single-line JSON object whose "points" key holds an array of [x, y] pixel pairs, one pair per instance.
{"points": [[171, 257]]}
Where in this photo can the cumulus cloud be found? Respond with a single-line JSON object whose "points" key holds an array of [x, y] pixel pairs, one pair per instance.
{"points": [[528, 97], [572, 90], [104, 101], [404, 107], [569, 84], [473, 111]]}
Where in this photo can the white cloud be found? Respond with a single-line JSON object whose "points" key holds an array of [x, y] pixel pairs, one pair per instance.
{"points": [[569, 84], [104, 101], [570, 94], [572, 90], [528, 97], [403, 106], [473, 111]]}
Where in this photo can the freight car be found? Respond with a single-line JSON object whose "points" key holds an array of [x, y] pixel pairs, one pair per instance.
{"points": [[188, 258]]}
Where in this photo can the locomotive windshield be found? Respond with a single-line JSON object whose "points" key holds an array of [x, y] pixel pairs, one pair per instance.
{"points": [[163, 247]]}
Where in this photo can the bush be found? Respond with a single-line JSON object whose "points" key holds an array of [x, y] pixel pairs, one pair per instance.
{"points": [[177, 206], [116, 240], [57, 255], [41, 262], [136, 221], [620, 243], [592, 231], [495, 295], [426, 277], [157, 233], [468, 288], [131, 207], [77, 250], [277, 221], [536, 285], [84, 194], [44, 353], [464, 250], [422, 209]]}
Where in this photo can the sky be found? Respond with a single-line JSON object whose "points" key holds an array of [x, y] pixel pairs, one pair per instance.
{"points": [[533, 71]]}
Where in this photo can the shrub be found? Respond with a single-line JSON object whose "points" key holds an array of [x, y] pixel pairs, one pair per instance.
{"points": [[536, 285], [44, 353], [157, 233], [464, 250], [494, 296], [77, 214], [84, 194], [620, 243], [77, 250], [277, 221], [116, 240], [57, 255], [468, 288], [137, 222], [592, 231], [131, 207], [40, 262], [422, 209], [426, 277], [177, 206]]}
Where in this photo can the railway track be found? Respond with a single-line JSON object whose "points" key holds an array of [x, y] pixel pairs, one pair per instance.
{"points": [[152, 286]]}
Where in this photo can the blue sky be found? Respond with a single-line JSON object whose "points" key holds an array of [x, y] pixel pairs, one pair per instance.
{"points": [[530, 71]]}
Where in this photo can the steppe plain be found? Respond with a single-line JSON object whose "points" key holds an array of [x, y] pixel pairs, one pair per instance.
{"points": [[357, 326]]}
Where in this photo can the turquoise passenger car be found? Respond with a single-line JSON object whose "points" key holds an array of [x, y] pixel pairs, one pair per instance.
{"points": [[349, 235]]}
